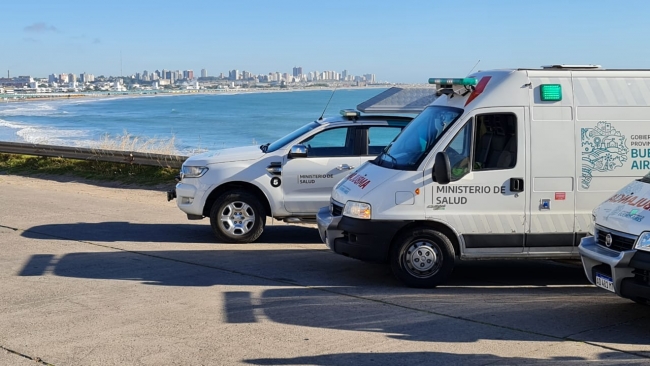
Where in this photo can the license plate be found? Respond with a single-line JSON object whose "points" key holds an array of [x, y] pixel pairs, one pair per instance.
{"points": [[605, 282]]}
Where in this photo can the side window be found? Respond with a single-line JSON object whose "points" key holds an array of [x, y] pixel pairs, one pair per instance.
{"points": [[332, 142], [380, 136], [459, 152], [496, 142]]}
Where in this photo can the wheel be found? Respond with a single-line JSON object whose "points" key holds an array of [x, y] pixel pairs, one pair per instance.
{"points": [[422, 258], [237, 217]]}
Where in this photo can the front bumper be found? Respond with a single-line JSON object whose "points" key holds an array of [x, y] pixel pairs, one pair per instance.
{"points": [[597, 259], [366, 240], [189, 199], [327, 226]]}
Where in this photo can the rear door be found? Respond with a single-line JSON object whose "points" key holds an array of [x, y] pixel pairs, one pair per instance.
{"points": [[551, 223]]}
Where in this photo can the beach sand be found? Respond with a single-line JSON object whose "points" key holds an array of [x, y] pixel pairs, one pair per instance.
{"points": [[17, 98]]}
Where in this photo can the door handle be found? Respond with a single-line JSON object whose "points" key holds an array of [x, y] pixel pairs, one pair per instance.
{"points": [[344, 166], [516, 185]]}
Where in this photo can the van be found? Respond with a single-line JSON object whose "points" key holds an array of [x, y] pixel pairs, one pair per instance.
{"points": [[616, 254], [503, 164]]}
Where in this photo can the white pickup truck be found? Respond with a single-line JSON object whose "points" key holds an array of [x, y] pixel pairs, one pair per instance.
{"points": [[291, 178]]}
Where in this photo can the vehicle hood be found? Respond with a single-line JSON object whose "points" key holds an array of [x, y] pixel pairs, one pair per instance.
{"points": [[628, 210], [361, 182], [225, 156]]}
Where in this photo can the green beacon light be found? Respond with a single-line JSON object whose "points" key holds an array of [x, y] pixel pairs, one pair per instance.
{"points": [[457, 81], [550, 92]]}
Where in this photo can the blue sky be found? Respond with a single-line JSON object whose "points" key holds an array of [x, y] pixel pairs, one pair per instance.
{"points": [[398, 41]]}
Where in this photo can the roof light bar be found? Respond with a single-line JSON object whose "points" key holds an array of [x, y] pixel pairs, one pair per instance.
{"points": [[350, 113], [457, 81]]}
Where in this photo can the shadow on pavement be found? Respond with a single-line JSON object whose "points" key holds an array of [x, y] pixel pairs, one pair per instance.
{"points": [[441, 358], [512, 300], [122, 231]]}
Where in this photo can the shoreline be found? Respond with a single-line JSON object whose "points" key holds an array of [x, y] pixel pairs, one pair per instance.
{"points": [[27, 98]]}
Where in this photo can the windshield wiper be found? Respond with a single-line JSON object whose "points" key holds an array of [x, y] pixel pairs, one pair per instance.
{"points": [[393, 160], [265, 147]]}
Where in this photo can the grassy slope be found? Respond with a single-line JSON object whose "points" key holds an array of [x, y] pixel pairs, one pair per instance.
{"points": [[93, 170]]}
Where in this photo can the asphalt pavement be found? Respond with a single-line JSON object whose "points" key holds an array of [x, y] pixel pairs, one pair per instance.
{"points": [[93, 275]]}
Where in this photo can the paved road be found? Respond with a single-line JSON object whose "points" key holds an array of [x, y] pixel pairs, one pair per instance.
{"points": [[106, 276]]}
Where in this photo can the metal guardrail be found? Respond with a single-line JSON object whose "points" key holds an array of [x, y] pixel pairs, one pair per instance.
{"points": [[81, 153]]}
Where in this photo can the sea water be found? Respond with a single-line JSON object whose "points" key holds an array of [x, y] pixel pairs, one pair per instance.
{"points": [[196, 122]]}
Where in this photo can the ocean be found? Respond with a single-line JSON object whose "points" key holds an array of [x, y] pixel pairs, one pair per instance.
{"points": [[196, 122]]}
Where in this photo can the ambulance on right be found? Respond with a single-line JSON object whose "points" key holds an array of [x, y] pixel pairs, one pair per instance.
{"points": [[616, 256]]}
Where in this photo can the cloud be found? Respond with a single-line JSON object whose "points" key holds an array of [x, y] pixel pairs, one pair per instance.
{"points": [[31, 40], [40, 27], [97, 41]]}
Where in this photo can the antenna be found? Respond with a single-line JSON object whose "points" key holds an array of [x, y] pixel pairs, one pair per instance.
{"points": [[328, 103], [470, 71]]}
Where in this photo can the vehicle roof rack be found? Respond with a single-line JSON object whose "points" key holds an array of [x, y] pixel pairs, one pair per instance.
{"points": [[406, 100], [572, 67]]}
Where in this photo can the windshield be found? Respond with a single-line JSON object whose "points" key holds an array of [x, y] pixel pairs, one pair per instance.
{"points": [[290, 137], [416, 140]]}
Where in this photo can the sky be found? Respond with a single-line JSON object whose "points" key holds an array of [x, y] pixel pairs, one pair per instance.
{"points": [[406, 41]]}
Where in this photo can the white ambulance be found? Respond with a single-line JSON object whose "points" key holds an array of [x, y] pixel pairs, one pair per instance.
{"points": [[616, 256], [503, 164]]}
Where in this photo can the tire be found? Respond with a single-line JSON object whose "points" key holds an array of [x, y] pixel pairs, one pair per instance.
{"points": [[237, 217], [433, 262]]}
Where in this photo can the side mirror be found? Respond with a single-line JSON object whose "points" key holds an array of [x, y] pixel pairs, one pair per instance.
{"points": [[441, 169], [298, 151]]}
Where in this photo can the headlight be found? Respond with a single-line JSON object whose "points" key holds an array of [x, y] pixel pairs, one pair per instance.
{"points": [[358, 210], [193, 171], [590, 228], [643, 242]]}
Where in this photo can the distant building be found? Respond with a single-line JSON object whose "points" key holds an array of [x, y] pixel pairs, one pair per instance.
{"points": [[52, 79], [188, 74], [72, 78], [297, 71], [233, 75], [204, 73]]}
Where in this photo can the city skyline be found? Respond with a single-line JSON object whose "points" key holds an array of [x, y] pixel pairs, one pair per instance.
{"points": [[404, 44], [235, 74]]}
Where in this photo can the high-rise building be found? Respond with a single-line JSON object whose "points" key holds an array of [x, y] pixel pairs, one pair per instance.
{"points": [[63, 78], [233, 75], [72, 78], [204, 73], [344, 75], [188, 74], [52, 79], [297, 71]]}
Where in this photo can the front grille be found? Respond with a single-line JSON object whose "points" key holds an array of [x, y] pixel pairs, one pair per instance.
{"points": [[619, 243], [337, 210]]}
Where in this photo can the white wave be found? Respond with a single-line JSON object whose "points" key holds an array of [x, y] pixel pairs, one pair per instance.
{"points": [[50, 136], [15, 125], [33, 109], [45, 135]]}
